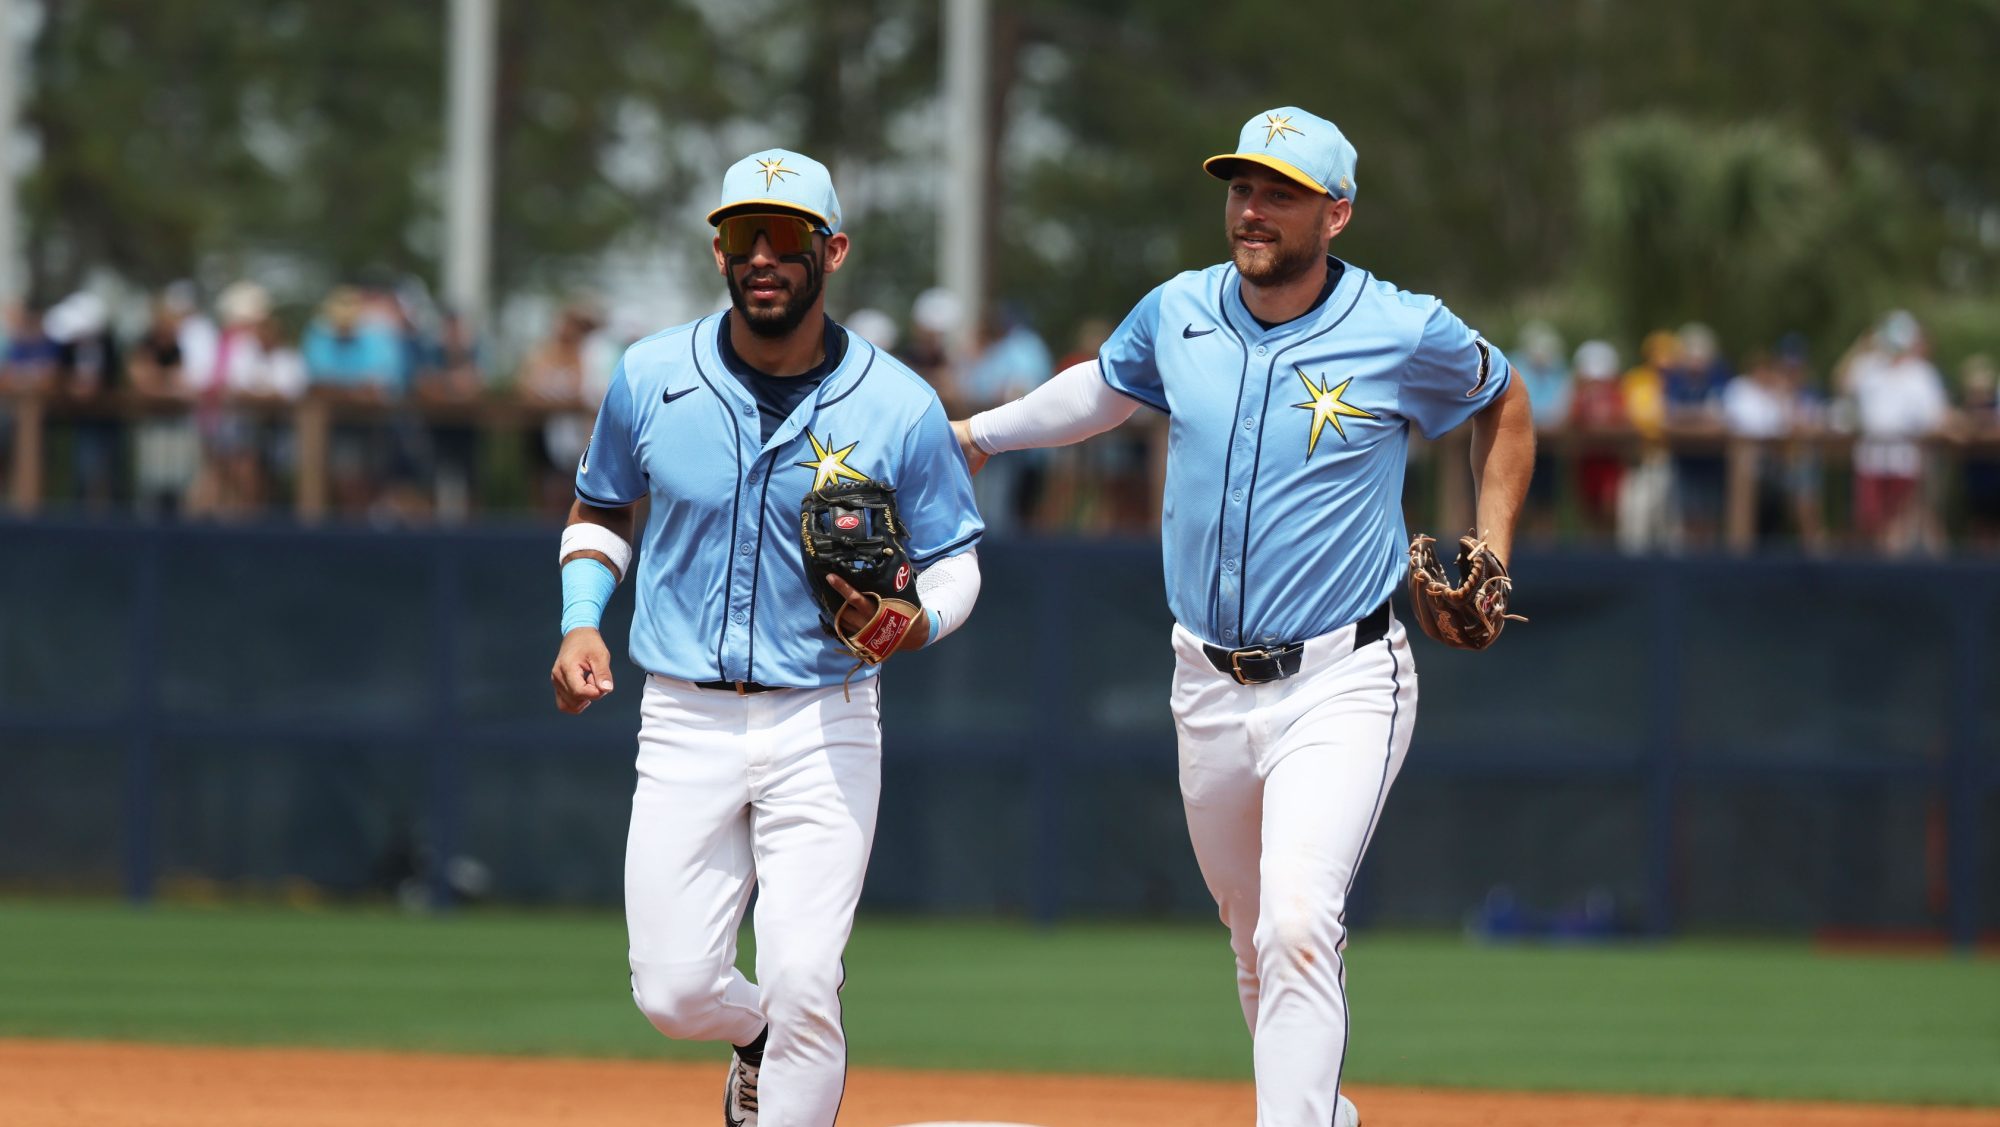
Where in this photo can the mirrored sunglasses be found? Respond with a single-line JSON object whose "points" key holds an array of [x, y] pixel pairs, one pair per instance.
{"points": [[787, 234]]}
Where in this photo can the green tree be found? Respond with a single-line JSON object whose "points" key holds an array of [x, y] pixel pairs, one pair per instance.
{"points": [[178, 135]]}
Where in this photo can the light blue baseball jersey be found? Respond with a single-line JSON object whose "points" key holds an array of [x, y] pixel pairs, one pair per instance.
{"points": [[720, 587], [1283, 514]]}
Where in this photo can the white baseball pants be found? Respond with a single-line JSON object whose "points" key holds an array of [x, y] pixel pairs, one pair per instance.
{"points": [[1283, 784], [775, 791]]}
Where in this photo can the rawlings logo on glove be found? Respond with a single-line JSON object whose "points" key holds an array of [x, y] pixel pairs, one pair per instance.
{"points": [[1470, 613], [851, 530]]}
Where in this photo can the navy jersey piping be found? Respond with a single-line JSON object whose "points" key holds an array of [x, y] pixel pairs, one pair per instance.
{"points": [[1368, 835], [950, 549], [757, 576], [1229, 450], [1250, 501], [736, 503], [599, 502], [850, 388]]}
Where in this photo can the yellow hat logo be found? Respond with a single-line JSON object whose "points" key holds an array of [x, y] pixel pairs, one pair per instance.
{"points": [[773, 170], [1277, 125]]}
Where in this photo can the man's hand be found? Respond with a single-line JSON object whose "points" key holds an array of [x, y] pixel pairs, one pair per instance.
{"points": [[582, 672], [860, 610], [974, 456]]}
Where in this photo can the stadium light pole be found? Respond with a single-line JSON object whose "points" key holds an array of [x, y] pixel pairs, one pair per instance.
{"points": [[471, 43], [12, 277], [961, 211]]}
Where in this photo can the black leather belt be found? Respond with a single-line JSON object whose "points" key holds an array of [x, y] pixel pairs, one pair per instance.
{"points": [[740, 688], [1257, 665]]}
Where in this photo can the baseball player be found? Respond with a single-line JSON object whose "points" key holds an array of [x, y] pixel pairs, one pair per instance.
{"points": [[756, 768], [1291, 380]]}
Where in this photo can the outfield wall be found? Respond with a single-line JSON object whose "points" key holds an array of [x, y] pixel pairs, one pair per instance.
{"points": [[1770, 744]]}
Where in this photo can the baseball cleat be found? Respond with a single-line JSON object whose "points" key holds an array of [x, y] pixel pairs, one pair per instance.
{"points": [[1345, 1114], [739, 1099]]}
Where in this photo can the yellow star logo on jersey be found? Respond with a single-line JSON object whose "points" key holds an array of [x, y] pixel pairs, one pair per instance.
{"points": [[1327, 407], [1277, 125], [773, 170], [831, 467]]}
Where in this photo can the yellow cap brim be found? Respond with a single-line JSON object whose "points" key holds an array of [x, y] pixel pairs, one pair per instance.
{"points": [[716, 216], [1283, 168]]}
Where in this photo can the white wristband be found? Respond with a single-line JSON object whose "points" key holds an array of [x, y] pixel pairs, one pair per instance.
{"points": [[584, 536]]}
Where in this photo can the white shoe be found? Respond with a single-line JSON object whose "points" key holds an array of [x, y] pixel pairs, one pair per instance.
{"points": [[739, 1099], [1345, 1114]]}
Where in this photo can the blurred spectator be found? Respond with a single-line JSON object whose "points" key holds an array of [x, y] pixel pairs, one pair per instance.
{"points": [[1538, 360], [450, 384], [1979, 424], [1597, 406], [166, 453], [1777, 475], [1012, 361], [344, 354], [29, 366], [1693, 383], [1122, 472], [408, 469], [934, 317], [248, 374], [31, 355], [1899, 401], [1648, 516], [353, 363], [564, 375], [875, 327], [86, 371]]}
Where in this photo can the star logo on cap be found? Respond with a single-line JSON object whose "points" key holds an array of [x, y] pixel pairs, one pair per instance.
{"points": [[831, 465], [1277, 125], [1327, 406], [773, 170]]}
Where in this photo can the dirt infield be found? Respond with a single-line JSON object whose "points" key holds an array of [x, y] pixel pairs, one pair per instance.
{"points": [[73, 1084]]}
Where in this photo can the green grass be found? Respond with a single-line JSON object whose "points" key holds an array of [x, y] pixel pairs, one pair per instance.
{"points": [[1740, 1019]]}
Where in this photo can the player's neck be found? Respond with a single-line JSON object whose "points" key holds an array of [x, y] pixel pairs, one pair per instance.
{"points": [[793, 354], [1285, 301]]}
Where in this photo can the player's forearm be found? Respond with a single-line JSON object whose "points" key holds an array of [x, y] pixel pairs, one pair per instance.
{"points": [[948, 589], [618, 522], [1071, 407], [1503, 459]]}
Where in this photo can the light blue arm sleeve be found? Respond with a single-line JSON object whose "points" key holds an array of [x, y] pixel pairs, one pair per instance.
{"points": [[1451, 376], [608, 476], [934, 494], [1127, 361]]}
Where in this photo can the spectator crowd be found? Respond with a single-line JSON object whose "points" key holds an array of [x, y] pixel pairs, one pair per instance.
{"points": [[1684, 450], [198, 415]]}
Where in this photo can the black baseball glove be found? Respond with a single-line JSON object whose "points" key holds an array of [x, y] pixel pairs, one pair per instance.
{"points": [[850, 529], [1467, 614]]}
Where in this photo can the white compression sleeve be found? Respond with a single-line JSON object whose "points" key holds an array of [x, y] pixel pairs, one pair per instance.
{"points": [[948, 589], [1074, 405]]}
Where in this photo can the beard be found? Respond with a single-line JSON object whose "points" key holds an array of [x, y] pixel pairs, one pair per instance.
{"points": [[780, 319], [1274, 265]]}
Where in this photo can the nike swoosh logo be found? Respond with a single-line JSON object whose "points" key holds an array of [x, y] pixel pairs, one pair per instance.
{"points": [[1190, 333], [670, 396]]}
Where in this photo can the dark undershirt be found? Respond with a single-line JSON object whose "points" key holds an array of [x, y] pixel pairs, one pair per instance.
{"points": [[1334, 268], [777, 396]]}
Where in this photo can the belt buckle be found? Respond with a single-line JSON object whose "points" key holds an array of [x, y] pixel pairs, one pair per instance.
{"points": [[1236, 664], [742, 688]]}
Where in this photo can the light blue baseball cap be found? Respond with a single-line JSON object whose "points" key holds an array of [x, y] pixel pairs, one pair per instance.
{"points": [[780, 179], [1297, 145]]}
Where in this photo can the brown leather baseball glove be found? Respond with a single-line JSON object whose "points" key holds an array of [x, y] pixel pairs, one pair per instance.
{"points": [[851, 529], [1470, 613]]}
